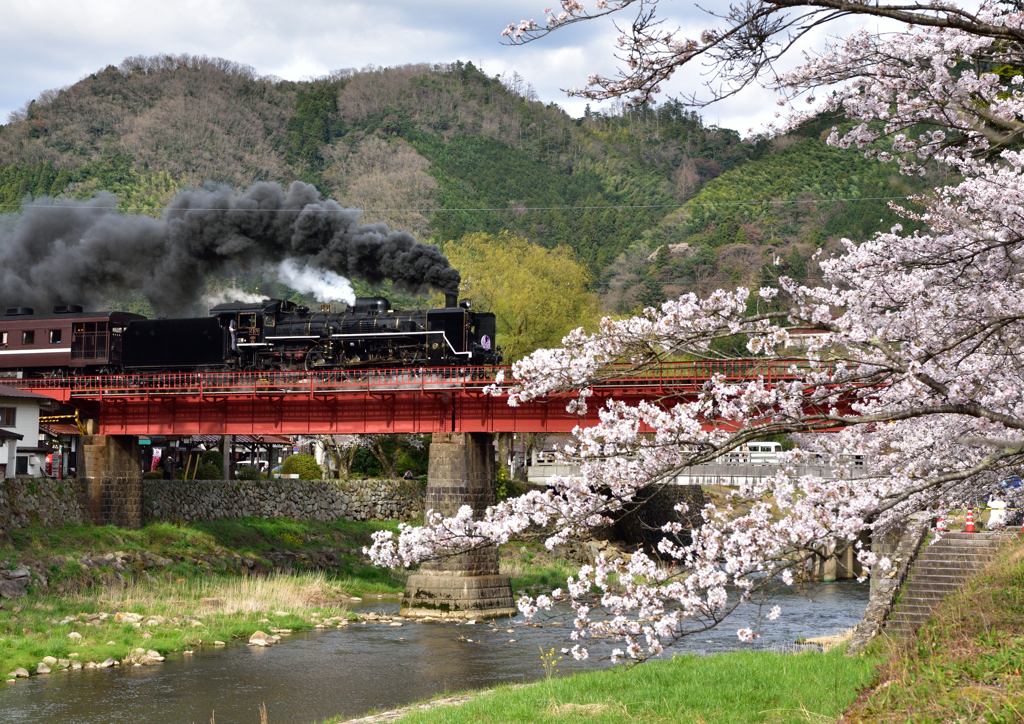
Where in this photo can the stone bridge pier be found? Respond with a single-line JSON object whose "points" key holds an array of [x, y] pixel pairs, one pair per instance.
{"points": [[111, 481], [461, 472]]}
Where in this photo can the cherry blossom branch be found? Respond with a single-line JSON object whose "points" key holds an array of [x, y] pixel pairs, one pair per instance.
{"points": [[913, 384]]}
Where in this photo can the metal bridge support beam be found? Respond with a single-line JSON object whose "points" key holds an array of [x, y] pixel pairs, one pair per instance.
{"points": [[111, 479], [468, 585]]}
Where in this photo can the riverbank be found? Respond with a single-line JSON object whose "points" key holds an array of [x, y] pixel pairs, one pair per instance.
{"points": [[965, 664], [96, 595], [741, 687], [99, 594]]}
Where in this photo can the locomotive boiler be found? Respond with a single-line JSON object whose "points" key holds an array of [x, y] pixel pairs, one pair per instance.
{"points": [[278, 334]]}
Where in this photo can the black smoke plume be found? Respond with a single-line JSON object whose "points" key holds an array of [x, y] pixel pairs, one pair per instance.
{"points": [[81, 252]]}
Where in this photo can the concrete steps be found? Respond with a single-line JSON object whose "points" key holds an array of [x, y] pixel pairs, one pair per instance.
{"points": [[939, 570]]}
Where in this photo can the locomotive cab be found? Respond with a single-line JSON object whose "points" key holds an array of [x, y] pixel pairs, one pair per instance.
{"points": [[248, 326], [483, 333]]}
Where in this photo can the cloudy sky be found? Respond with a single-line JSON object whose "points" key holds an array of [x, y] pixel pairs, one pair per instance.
{"points": [[53, 43]]}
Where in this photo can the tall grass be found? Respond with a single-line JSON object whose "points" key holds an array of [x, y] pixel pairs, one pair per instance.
{"points": [[231, 595]]}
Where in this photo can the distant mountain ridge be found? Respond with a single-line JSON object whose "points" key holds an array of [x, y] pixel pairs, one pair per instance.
{"points": [[654, 201]]}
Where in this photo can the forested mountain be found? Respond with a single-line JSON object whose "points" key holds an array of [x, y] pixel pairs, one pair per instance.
{"points": [[651, 199]]}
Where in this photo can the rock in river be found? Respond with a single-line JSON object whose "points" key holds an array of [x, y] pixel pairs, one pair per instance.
{"points": [[262, 639]]}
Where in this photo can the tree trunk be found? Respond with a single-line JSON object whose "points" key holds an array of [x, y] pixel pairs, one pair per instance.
{"points": [[505, 450]]}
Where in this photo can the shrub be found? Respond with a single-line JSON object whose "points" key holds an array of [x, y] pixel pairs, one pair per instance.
{"points": [[207, 471], [212, 457], [304, 465], [247, 472], [415, 460], [506, 486], [501, 481], [153, 475]]}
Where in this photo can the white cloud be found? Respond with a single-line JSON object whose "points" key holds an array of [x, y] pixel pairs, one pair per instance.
{"points": [[52, 43]]}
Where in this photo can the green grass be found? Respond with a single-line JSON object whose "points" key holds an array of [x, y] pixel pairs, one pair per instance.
{"points": [[184, 544], [34, 627], [966, 664], [745, 687], [30, 627], [243, 535], [533, 569]]}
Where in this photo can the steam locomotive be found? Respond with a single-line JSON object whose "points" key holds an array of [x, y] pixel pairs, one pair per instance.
{"points": [[271, 334]]}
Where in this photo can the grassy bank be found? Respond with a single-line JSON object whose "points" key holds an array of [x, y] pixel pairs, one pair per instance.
{"points": [[183, 586], [166, 616], [966, 664], [192, 585], [756, 686], [195, 548]]}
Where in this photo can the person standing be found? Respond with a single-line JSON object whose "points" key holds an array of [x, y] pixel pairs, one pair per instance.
{"points": [[168, 464]]}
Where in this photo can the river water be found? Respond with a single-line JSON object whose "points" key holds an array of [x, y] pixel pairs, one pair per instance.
{"points": [[312, 676]]}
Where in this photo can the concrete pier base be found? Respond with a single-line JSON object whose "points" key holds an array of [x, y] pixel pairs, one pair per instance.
{"points": [[461, 472], [111, 479]]}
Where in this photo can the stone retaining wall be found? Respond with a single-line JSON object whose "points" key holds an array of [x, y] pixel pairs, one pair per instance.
{"points": [[901, 550], [193, 500], [41, 501]]}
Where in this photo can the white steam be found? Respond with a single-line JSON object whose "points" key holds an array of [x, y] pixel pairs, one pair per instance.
{"points": [[325, 285], [231, 294]]}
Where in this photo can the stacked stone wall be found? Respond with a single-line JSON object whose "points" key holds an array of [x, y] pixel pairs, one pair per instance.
{"points": [[461, 472], [41, 501], [196, 500], [642, 524], [111, 480], [901, 547]]}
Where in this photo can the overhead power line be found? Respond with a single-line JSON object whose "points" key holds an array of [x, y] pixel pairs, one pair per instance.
{"points": [[518, 209]]}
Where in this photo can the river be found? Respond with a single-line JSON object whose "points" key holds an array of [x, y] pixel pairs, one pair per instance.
{"points": [[315, 675]]}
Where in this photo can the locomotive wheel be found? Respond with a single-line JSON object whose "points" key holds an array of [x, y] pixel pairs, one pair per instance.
{"points": [[315, 359]]}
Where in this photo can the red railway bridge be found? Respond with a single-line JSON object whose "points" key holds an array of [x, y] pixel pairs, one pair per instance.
{"points": [[427, 400], [452, 403]]}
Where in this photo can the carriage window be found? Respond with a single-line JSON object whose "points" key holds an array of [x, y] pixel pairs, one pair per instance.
{"points": [[54, 336], [28, 337], [89, 340], [3, 338]]}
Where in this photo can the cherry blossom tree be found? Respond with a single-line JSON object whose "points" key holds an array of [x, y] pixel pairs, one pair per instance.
{"points": [[918, 366], [746, 45], [338, 452], [386, 449]]}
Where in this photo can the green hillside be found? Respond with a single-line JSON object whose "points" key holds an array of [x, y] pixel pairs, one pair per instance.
{"points": [[651, 199]]}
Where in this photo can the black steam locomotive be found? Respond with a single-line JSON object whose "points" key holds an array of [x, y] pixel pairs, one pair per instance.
{"points": [[271, 334]]}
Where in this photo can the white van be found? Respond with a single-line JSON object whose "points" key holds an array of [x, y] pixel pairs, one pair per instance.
{"points": [[764, 452]]}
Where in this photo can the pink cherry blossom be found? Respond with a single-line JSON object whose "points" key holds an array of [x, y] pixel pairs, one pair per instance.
{"points": [[910, 396]]}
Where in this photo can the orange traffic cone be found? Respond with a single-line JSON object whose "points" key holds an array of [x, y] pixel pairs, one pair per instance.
{"points": [[969, 525]]}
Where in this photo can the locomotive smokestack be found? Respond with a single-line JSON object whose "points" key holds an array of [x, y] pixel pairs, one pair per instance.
{"points": [[451, 299], [64, 251]]}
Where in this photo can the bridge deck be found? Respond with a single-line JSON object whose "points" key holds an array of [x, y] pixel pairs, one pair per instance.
{"points": [[349, 402]]}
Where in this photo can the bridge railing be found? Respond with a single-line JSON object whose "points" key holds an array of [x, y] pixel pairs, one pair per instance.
{"points": [[669, 374]]}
